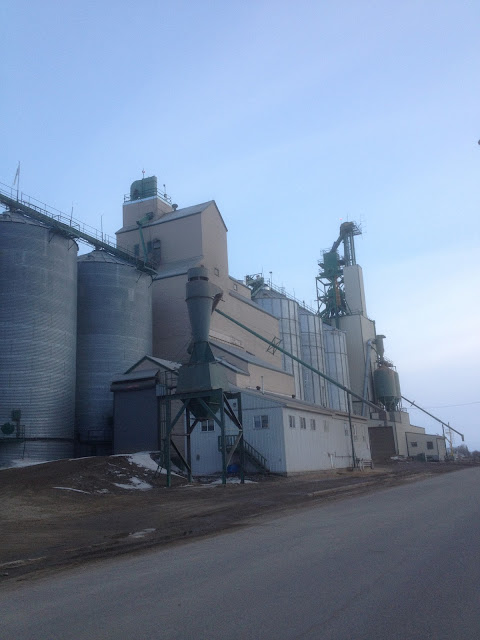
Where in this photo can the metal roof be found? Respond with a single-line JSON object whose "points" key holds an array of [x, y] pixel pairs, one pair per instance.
{"points": [[178, 268], [246, 356]]}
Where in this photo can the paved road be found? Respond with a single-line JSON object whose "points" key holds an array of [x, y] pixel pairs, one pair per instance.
{"points": [[403, 563]]}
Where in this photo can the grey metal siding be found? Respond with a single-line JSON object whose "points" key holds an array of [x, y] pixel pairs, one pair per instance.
{"points": [[38, 287], [114, 332], [336, 365]]}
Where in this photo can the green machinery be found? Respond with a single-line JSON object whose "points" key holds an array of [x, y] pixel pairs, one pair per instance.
{"points": [[330, 286]]}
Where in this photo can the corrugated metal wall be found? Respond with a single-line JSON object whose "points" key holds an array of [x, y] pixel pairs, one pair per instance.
{"points": [[286, 311], [311, 338], [114, 332], [38, 314], [336, 365]]}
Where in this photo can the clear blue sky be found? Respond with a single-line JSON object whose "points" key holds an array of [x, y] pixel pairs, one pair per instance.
{"points": [[292, 116]]}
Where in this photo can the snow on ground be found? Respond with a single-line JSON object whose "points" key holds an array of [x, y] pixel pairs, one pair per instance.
{"points": [[143, 459], [22, 462], [135, 483], [141, 534], [70, 489], [216, 483]]}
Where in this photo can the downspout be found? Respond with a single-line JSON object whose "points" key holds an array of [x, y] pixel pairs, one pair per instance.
{"points": [[365, 377]]}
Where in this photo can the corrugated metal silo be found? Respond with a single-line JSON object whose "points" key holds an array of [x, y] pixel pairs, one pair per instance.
{"points": [[336, 365], [286, 311], [311, 338], [38, 316], [114, 332]]}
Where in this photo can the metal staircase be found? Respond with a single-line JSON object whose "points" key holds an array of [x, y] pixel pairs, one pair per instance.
{"points": [[254, 456]]}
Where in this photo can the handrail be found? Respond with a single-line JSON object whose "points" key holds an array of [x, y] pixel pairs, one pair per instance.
{"points": [[68, 225], [251, 451]]}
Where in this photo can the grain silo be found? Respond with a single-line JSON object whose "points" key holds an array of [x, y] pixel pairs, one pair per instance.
{"points": [[114, 332], [311, 338], [286, 310], [38, 315], [336, 365]]}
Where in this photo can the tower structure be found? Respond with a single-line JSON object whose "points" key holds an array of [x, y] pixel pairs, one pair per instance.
{"points": [[341, 303]]}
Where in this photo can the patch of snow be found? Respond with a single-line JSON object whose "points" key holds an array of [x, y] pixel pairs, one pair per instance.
{"points": [[143, 459], [102, 491], [217, 482], [12, 464], [135, 483], [233, 481], [141, 534], [70, 489]]}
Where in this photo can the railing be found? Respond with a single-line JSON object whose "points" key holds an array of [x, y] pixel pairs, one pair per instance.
{"points": [[251, 452], [269, 285], [79, 230], [148, 193]]}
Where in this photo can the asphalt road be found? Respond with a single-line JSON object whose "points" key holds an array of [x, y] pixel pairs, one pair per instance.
{"points": [[402, 563]]}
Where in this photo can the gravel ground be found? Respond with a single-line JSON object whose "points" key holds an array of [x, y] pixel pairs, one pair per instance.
{"points": [[68, 512]]}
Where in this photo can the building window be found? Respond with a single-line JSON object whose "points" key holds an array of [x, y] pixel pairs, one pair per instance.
{"points": [[345, 428], [260, 422], [326, 426], [303, 423], [313, 425], [291, 422], [208, 425], [413, 444], [216, 271], [429, 444], [235, 287]]}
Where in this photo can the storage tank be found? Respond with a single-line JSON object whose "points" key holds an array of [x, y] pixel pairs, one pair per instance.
{"points": [[336, 365], [38, 317], [114, 332], [311, 339], [387, 387], [286, 311]]}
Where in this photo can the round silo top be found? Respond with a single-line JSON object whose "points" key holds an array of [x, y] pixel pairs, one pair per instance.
{"points": [[103, 257], [14, 216]]}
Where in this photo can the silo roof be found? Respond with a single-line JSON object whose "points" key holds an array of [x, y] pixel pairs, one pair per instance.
{"points": [[15, 216], [102, 256]]}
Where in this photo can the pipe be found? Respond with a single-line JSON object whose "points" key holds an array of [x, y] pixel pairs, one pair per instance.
{"points": [[434, 417], [277, 347], [365, 378]]}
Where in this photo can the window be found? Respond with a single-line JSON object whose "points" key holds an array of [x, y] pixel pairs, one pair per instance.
{"points": [[260, 422], [354, 429], [313, 425], [414, 444], [429, 444], [235, 287], [326, 426], [303, 423], [345, 428], [291, 422], [208, 425], [216, 271]]}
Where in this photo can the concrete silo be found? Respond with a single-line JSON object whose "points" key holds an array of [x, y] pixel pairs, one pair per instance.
{"points": [[114, 332], [38, 315]]}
